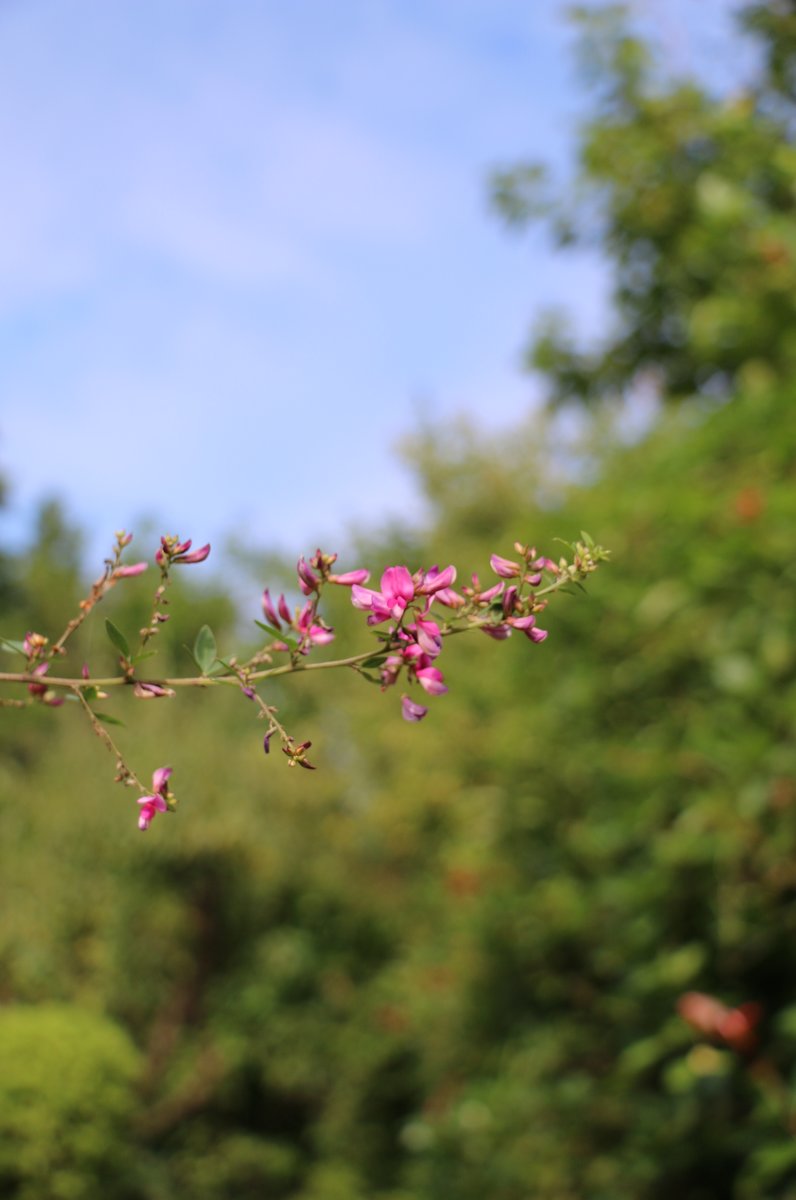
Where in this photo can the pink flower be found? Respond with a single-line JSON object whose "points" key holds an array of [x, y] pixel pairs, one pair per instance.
{"points": [[128, 572], [505, 567], [172, 550], [449, 598], [34, 644], [349, 578], [269, 611], [498, 632], [435, 580], [151, 691], [157, 802], [397, 591], [45, 694], [486, 597], [411, 711], [316, 634], [428, 636], [308, 580], [430, 679]]}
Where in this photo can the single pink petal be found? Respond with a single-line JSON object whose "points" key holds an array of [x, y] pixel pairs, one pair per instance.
{"points": [[348, 578], [536, 635], [160, 778], [133, 569], [197, 556], [429, 636], [411, 711], [363, 598], [146, 814], [491, 593], [523, 623], [435, 580], [498, 632], [321, 636], [430, 679]]}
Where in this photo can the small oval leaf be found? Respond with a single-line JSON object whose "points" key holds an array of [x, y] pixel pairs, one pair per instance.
{"points": [[118, 638], [205, 649]]}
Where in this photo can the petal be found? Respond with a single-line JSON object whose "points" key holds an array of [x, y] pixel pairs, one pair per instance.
{"points": [[435, 580], [397, 585], [197, 556], [411, 711], [498, 632], [348, 578], [160, 778], [430, 679]]}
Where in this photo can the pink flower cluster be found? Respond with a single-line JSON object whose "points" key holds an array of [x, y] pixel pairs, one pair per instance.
{"points": [[311, 629], [406, 600], [175, 552], [416, 637]]}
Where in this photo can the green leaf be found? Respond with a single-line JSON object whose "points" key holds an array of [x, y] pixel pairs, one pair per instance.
{"points": [[118, 638], [375, 661], [587, 539], [12, 647], [205, 649], [108, 720], [281, 637]]}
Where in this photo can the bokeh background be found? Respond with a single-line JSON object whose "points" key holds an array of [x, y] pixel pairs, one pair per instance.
{"points": [[538, 947]]}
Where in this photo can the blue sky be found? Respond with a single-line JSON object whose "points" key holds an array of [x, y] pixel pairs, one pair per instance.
{"points": [[245, 246]]}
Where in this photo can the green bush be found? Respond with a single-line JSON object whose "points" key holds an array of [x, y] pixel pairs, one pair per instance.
{"points": [[67, 1100]]}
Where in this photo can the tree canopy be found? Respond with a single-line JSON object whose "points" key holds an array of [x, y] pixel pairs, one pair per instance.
{"points": [[690, 196]]}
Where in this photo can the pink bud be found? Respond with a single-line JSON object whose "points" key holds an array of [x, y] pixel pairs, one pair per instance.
{"points": [[498, 632], [128, 572], [269, 610], [284, 611], [197, 556], [505, 567], [435, 580], [308, 581], [449, 598], [150, 691]]}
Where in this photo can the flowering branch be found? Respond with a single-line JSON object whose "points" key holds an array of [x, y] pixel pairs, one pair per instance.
{"points": [[415, 613]]}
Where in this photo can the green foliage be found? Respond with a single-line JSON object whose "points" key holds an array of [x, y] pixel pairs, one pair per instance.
{"points": [[691, 199], [448, 962], [66, 1100]]}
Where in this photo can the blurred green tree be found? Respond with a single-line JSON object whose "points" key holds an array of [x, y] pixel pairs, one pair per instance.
{"points": [[691, 198]]}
